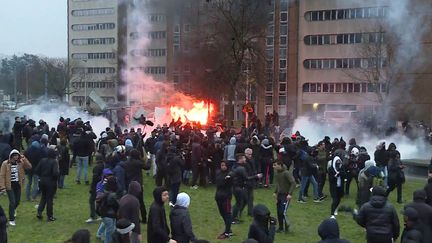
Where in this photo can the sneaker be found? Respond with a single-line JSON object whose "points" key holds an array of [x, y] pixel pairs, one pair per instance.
{"points": [[91, 220], [39, 216], [194, 187], [36, 206], [317, 200], [332, 217], [12, 223], [51, 219], [323, 197], [301, 201], [223, 236], [235, 221]]}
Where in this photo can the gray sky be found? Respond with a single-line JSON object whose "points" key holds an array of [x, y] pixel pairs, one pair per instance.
{"points": [[33, 26]]}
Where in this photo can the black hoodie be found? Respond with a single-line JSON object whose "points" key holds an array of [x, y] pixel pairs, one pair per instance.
{"points": [[157, 227], [329, 232], [259, 230], [129, 206]]}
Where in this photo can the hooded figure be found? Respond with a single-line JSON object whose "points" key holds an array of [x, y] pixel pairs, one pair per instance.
{"points": [[259, 230], [425, 216], [157, 227], [328, 230], [412, 232], [230, 151], [181, 224], [129, 207], [80, 236], [379, 218]]}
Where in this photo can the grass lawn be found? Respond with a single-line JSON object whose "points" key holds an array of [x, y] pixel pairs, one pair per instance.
{"points": [[71, 210]]}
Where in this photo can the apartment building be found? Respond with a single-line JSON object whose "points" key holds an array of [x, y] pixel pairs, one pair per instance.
{"points": [[92, 52]]}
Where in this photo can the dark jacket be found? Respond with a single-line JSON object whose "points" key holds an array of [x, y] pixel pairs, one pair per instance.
{"points": [[3, 222], [5, 149], [108, 205], [83, 146], [259, 229], [157, 227], [240, 176], [64, 159], [34, 154], [181, 225], [223, 186], [379, 218], [329, 232], [120, 174], [425, 218], [133, 169], [428, 190], [413, 235], [381, 157], [174, 168], [97, 174], [129, 206], [48, 169]]}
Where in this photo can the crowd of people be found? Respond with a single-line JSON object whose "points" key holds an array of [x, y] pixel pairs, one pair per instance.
{"points": [[235, 163]]}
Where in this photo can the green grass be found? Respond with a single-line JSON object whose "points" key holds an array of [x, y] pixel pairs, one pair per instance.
{"points": [[71, 209]]}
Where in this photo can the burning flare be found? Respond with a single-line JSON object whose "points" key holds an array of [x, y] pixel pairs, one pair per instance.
{"points": [[199, 113]]}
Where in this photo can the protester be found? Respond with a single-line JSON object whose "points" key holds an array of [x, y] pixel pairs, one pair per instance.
{"points": [[381, 158], [107, 207], [181, 223], [129, 208], [34, 154], [174, 165], [3, 224], [412, 232], [285, 185], [425, 213], [157, 227], [123, 231], [223, 198], [12, 178], [64, 161], [328, 230], [379, 218], [98, 174], [260, 230], [369, 177], [48, 172], [80, 236], [336, 181], [396, 176], [82, 149], [250, 185]]}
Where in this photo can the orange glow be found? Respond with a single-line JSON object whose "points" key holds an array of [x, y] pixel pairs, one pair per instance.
{"points": [[198, 113]]}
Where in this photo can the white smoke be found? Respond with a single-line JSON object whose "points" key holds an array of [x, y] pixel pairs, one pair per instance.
{"points": [[315, 132]]}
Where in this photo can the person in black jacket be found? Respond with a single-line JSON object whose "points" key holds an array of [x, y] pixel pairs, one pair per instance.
{"points": [[34, 154], [263, 227], [379, 218], [428, 186], [129, 209], [396, 175], [412, 232], [157, 227], [425, 216], [174, 165], [328, 230], [82, 149], [240, 179], [181, 224], [107, 207], [223, 198], [97, 176], [133, 168], [381, 159], [3, 223], [64, 160], [48, 172]]}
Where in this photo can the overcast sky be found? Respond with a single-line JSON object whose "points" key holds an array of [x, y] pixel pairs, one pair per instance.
{"points": [[33, 26]]}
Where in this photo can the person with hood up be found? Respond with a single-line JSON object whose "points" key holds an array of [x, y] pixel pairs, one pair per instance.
{"points": [[255, 145], [223, 199], [266, 152], [48, 172], [129, 208], [328, 230], [119, 169], [181, 224], [412, 232], [174, 168], [285, 185], [425, 216], [368, 177], [34, 154], [396, 176], [64, 160], [230, 152], [157, 227], [307, 170], [12, 177], [263, 227], [80, 236], [82, 148], [379, 218], [335, 183]]}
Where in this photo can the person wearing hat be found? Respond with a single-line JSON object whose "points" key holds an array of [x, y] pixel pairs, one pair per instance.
{"points": [[425, 216], [181, 223], [157, 227], [412, 232], [328, 230], [123, 231], [379, 218], [12, 177], [263, 227]]}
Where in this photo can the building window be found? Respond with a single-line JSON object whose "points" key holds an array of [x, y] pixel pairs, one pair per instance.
{"points": [[149, 52], [156, 35], [341, 14], [270, 41], [284, 16], [283, 40], [343, 63], [92, 12], [283, 63], [282, 87], [269, 100], [344, 87], [282, 76], [269, 86], [282, 100], [156, 17], [177, 28], [284, 29], [102, 55], [93, 41], [99, 26]]}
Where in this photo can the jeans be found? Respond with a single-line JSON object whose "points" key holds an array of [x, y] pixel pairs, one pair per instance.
{"points": [[32, 187], [153, 164], [106, 229], [14, 196], [82, 164], [282, 207], [304, 181], [385, 171], [60, 181]]}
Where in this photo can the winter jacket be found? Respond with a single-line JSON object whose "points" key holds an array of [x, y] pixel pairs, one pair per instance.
{"points": [[285, 182], [230, 150], [157, 227], [413, 235], [34, 154], [5, 171], [240, 176], [83, 146], [64, 159], [129, 207], [259, 229], [424, 217], [97, 176], [48, 169], [328, 230], [120, 174], [108, 205], [3, 223], [379, 218], [181, 225], [5, 149], [223, 186], [174, 168], [381, 157], [133, 169]]}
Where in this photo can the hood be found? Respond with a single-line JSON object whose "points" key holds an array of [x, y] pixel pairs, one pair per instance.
{"points": [[14, 151], [134, 189], [328, 229], [378, 201], [381, 145], [261, 213], [255, 140], [369, 163], [113, 143], [232, 141], [35, 144], [157, 194], [352, 141], [106, 172], [183, 200], [128, 143], [266, 142]]}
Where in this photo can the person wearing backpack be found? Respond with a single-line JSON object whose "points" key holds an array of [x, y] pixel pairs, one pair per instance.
{"points": [[107, 207]]}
